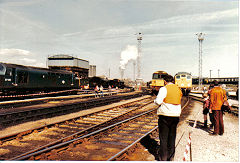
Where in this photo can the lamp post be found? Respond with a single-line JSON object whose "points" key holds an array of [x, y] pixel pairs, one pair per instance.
{"points": [[200, 39], [139, 38], [139, 79], [218, 73], [210, 73]]}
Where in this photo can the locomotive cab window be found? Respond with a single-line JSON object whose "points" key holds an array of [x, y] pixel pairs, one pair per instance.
{"points": [[188, 77], [2, 70], [177, 77], [183, 76], [156, 76], [8, 72]]}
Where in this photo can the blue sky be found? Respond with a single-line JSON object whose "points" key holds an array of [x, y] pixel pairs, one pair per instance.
{"points": [[99, 30]]}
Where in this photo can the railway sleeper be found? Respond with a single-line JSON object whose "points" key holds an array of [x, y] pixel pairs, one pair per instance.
{"points": [[49, 112]]}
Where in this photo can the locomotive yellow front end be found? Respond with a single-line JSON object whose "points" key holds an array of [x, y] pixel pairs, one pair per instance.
{"points": [[157, 81], [184, 81]]}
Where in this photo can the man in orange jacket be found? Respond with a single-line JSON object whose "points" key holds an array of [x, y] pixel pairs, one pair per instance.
{"points": [[169, 99], [217, 98]]}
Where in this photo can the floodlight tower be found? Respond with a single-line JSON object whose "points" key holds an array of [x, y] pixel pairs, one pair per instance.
{"points": [[139, 38], [200, 39]]}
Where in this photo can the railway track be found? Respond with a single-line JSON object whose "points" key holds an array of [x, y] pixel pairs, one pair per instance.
{"points": [[103, 144], [110, 141], [39, 94], [40, 100], [72, 128], [39, 111]]}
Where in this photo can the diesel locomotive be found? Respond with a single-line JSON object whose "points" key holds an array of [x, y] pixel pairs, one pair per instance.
{"points": [[157, 81], [184, 81], [17, 78]]}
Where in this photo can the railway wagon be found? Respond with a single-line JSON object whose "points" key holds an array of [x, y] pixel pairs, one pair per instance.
{"points": [[184, 81], [17, 78], [93, 81], [226, 80], [157, 81], [116, 83]]}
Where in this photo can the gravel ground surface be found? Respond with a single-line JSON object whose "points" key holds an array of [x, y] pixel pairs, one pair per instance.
{"points": [[205, 147]]}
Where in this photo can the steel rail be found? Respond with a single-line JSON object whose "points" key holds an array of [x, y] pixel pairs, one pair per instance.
{"points": [[155, 128], [47, 110], [128, 147], [81, 137], [12, 136], [21, 157], [77, 133]]}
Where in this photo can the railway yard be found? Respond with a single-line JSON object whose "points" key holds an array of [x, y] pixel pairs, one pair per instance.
{"points": [[119, 81], [119, 126]]}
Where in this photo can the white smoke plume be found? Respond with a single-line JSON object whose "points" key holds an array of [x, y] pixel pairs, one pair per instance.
{"points": [[130, 53]]}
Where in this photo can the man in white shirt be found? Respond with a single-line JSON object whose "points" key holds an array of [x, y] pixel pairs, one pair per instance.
{"points": [[169, 99]]}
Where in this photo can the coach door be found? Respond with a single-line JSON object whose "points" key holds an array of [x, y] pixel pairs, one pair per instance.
{"points": [[22, 78]]}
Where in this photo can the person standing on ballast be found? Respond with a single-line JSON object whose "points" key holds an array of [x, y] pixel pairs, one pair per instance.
{"points": [[217, 98], [169, 99]]}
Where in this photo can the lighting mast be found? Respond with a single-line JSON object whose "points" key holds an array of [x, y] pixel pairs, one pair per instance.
{"points": [[139, 38], [200, 39]]}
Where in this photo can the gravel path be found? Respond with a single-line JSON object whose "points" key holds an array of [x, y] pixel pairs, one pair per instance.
{"points": [[205, 147]]}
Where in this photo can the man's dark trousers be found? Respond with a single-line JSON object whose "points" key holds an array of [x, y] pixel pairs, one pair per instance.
{"points": [[167, 135], [218, 122]]}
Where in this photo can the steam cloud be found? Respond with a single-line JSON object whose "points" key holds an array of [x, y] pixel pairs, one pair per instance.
{"points": [[130, 53]]}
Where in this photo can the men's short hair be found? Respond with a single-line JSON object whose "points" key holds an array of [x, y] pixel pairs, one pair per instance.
{"points": [[215, 82], [168, 78]]}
